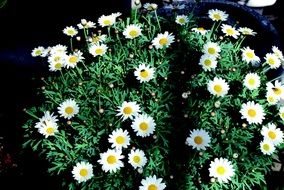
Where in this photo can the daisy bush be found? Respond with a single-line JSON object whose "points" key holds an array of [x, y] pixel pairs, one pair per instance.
{"points": [[155, 102]]}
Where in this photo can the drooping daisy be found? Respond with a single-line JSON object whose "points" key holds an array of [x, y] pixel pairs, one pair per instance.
{"points": [[163, 40], [278, 53], [273, 134], [199, 30], [111, 160], [119, 139], [208, 62], [252, 112], [217, 15], [71, 60], [152, 183], [281, 112], [86, 24], [58, 49], [98, 49], [218, 87], [271, 98], [132, 31], [144, 73], [106, 20], [222, 169], [249, 56], [277, 89], [212, 49], [137, 158], [128, 110], [247, 31], [48, 128], [97, 39], [252, 81], [47, 118], [38, 51], [181, 19], [198, 139], [230, 31], [68, 109], [83, 171], [267, 147], [150, 6], [272, 60], [143, 125], [70, 31]]}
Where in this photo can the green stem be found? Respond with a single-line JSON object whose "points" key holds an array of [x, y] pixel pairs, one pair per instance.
{"points": [[31, 114], [157, 20], [71, 44]]}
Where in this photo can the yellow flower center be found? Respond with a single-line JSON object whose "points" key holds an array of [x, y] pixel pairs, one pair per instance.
{"points": [[120, 140], [58, 65], [251, 112], [144, 73], [251, 81], [270, 99], [271, 134], [133, 33], [211, 50], [71, 32], [57, 58], [250, 55], [152, 187], [200, 29], [282, 115], [217, 16], [127, 110], [207, 62], [38, 52], [107, 22], [266, 147], [271, 61], [163, 41], [111, 159], [144, 126], [230, 31], [69, 110], [83, 172], [221, 170], [99, 51], [50, 130], [136, 159], [277, 91], [73, 59], [198, 140], [181, 20], [218, 88]]}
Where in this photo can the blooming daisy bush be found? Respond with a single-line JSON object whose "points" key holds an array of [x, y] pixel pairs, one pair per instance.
{"points": [[151, 102]]}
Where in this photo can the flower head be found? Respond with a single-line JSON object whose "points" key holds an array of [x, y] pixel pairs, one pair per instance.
{"points": [[272, 60], [128, 110], [198, 139], [47, 119], [247, 31], [212, 49], [83, 171], [230, 31], [278, 53], [222, 169], [277, 89], [252, 81], [281, 112], [71, 60], [150, 6], [38, 51], [271, 98], [218, 87], [48, 128], [267, 147], [143, 125], [111, 160], [70, 31], [132, 31], [163, 40], [68, 109], [144, 73], [252, 112], [208, 62], [181, 19], [108, 20], [199, 30], [137, 158], [249, 56], [86, 24], [273, 134], [152, 183], [119, 139], [98, 49], [217, 15]]}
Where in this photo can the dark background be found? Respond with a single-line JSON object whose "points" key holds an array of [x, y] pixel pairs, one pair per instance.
{"points": [[26, 24]]}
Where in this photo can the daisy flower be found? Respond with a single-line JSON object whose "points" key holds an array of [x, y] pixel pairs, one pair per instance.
{"points": [[278, 53], [68, 109], [48, 128], [152, 183], [143, 125], [108, 20], [181, 19], [199, 30], [267, 147], [212, 49], [150, 6], [277, 89], [144, 73], [86, 24], [217, 15], [218, 87], [70, 31], [163, 40], [249, 56], [58, 49], [252, 81], [271, 98], [98, 49], [137, 158], [47, 118], [272, 60], [230, 31], [247, 31], [208, 62], [132, 31], [252, 112], [222, 169], [111, 160], [71, 60], [56, 66], [83, 171], [198, 139], [119, 139], [128, 110], [97, 39], [281, 112], [38, 51], [273, 134]]}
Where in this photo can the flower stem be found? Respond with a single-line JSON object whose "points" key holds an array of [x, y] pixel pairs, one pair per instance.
{"points": [[157, 20]]}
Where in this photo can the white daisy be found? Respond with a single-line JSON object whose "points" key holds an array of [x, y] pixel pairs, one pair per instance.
{"points": [[271, 98], [212, 49], [48, 128], [198, 139], [56, 66], [98, 49], [252, 112], [272, 60], [144, 73], [71, 60], [181, 19], [111, 160], [38, 51], [150, 6], [143, 125], [277, 89], [199, 30], [128, 110], [86, 24], [97, 39], [137, 158], [218, 87], [163, 40], [58, 49], [106, 20], [230, 31], [281, 112], [249, 56], [273, 134], [208, 62], [247, 31], [252, 81], [132, 31], [68, 109], [217, 15], [47, 118], [278, 53], [70, 31], [267, 147], [119, 139], [152, 183], [222, 169], [83, 171]]}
